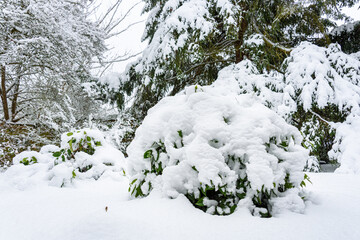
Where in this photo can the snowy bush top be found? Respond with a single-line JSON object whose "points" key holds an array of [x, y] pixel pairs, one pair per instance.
{"points": [[84, 154], [269, 87], [217, 148]]}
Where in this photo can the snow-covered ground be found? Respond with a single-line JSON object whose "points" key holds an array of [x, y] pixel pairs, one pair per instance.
{"points": [[44, 212]]}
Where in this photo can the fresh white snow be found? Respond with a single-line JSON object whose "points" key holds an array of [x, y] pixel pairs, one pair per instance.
{"points": [[78, 212]]}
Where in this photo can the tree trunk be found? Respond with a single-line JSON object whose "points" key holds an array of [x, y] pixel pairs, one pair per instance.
{"points": [[3, 93], [239, 54], [14, 100]]}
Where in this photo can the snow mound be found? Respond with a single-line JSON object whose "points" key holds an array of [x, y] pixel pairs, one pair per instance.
{"points": [[218, 148], [84, 154]]}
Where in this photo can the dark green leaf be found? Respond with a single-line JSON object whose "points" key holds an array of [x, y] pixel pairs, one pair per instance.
{"points": [[148, 154], [56, 154]]}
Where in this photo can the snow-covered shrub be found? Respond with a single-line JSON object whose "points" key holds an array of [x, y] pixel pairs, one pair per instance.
{"points": [[78, 141], [84, 154], [76, 157], [29, 158], [218, 148], [312, 164]]}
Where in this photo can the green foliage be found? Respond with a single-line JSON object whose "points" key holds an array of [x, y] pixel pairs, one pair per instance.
{"points": [[318, 134], [348, 39], [79, 142], [153, 156], [224, 201], [26, 161], [261, 201]]}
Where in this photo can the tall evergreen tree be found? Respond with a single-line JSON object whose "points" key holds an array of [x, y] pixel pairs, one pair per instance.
{"points": [[191, 40]]}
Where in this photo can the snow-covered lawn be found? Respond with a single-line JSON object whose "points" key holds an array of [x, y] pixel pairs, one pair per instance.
{"points": [[44, 212]]}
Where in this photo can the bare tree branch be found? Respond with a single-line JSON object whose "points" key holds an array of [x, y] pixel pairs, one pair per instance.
{"points": [[125, 29], [108, 11], [111, 25]]}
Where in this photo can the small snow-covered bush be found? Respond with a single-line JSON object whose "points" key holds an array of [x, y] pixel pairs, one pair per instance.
{"points": [[29, 158], [84, 154], [78, 141], [79, 156], [312, 165], [218, 149]]}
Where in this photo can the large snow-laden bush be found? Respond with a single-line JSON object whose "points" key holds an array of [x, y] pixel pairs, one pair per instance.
{"points": [[83, 154], [218, 148]]}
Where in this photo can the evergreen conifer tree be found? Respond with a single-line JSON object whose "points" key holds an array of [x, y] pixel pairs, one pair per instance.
{"points": [[191, 40]]}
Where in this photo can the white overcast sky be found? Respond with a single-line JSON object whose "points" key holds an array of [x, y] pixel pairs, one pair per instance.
{"points": [[130, 41]]}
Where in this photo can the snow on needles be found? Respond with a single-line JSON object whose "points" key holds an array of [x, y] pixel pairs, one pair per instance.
{"points": [[179, 17], [313, 76], [324, 76]]}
